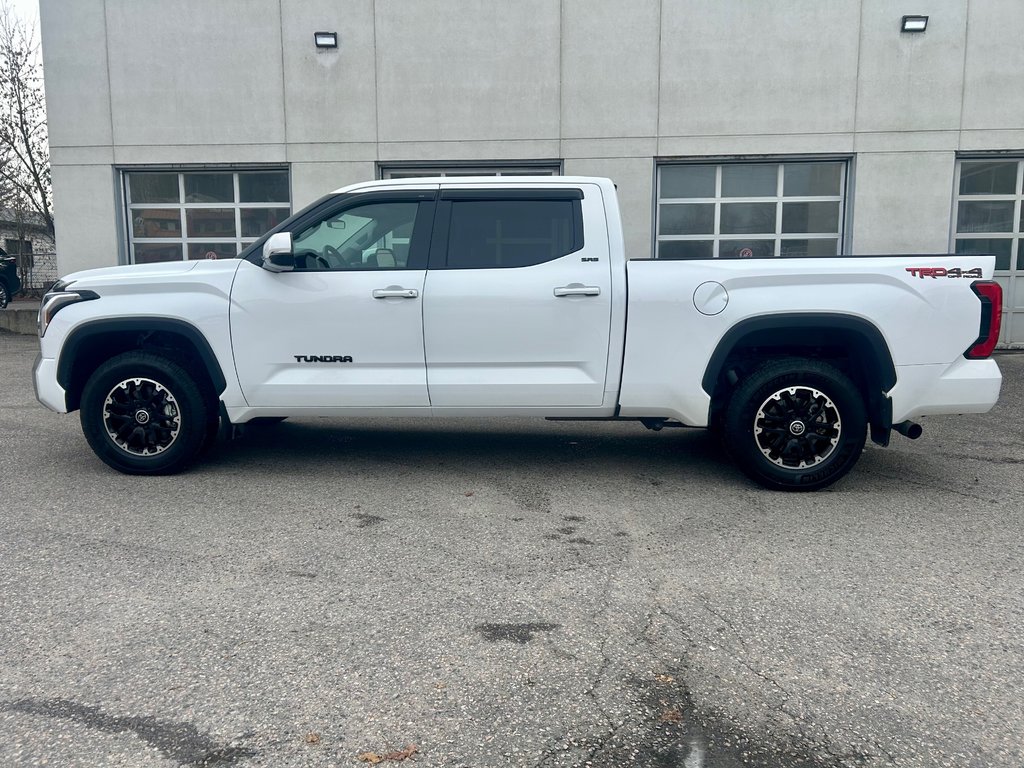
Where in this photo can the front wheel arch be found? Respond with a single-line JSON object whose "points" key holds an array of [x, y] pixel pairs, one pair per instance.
{"points": [[95, 342]]}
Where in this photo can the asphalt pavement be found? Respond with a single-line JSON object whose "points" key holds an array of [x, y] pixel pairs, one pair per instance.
{"points": [[508, 593]]}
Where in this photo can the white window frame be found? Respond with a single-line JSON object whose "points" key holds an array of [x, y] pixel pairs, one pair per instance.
{"points": [[778, 235], [185, 240], [521, 168]]}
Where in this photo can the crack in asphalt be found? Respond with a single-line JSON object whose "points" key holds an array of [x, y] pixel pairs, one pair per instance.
{"points": [[799, 723]]}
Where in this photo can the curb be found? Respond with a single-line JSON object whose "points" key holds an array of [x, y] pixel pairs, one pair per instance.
{"points": [[19, 319]]}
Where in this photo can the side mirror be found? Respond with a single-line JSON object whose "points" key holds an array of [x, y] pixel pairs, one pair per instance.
{"points": [[277, 253]]}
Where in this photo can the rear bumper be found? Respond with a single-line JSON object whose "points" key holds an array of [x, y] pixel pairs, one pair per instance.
{"points": [[964, 386], [44, 380]]}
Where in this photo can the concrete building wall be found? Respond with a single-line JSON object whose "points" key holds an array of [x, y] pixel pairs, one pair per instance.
{"points": [[604, 87]]}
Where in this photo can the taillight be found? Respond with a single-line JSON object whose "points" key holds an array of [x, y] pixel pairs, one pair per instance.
{"points": [[991, 296]]}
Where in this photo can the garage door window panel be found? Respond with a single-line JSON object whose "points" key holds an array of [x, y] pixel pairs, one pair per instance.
{"points": [[209, 188], [156, 222], [153, 187], [749, 180], [988, 178], [812, 179], [750, 210], [810, 217], [687, 219], [748, 218], [262, 187], [985, 216], [688, 181], [174, 215]]}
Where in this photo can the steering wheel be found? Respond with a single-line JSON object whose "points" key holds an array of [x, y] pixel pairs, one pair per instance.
{"points": [[334, 255]]}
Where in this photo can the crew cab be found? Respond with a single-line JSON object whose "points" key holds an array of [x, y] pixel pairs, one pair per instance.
{"points": [[514, 297]]}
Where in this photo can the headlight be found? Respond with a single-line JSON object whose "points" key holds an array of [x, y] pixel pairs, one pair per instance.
{"points": [[58, 298]]}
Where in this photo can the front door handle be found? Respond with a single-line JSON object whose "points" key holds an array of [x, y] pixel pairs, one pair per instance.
{"points": [[395, 292], [576, 289]]}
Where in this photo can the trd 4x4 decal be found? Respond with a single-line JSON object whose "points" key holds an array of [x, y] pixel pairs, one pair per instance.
{"points": [[933, 272]]}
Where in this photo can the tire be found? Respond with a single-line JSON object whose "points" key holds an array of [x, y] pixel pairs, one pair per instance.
{"points": [[5, 295], [796, 425], [144, 414]]}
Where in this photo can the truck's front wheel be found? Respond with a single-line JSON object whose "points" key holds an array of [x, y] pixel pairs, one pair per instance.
{"points": [[143, 414], [796, 425]]}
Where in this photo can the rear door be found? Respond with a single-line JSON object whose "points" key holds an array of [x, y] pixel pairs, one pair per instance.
{"points": [[517, 300]]}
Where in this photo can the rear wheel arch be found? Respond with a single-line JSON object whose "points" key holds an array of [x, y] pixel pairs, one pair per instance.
{"points": [[93, 343], [853, 345]]}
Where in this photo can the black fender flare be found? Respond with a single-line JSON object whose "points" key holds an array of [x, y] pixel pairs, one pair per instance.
{"points": [[873, 344], [143, 325]]}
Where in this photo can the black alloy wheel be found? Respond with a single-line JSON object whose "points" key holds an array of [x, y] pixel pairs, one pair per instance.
{"points": [[797, 427], [141, 416]]}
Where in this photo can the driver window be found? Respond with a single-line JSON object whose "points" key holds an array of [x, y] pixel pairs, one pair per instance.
{"points": [[371, 236]]}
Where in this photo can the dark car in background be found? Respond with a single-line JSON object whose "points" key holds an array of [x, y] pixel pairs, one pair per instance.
{"points": [[10, 284]]}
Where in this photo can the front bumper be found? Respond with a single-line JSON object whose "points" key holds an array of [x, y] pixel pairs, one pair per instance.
{"points": [[44, 380]]}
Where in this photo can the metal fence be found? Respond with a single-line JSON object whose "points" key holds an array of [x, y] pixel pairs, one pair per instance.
{"points": [[39, 273]]}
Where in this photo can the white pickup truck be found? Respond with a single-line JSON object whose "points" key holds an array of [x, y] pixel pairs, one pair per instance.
{"points": [[514, 297]]}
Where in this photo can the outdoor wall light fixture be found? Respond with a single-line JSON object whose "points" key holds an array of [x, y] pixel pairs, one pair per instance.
{"points": [[914, 24], [325, 39]]}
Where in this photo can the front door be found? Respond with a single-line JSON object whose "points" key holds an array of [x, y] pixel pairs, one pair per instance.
{"points": [[517, 302], [345, 328]]}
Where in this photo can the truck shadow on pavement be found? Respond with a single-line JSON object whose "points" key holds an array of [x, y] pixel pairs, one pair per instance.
{"points": [[474, 441], [526, 446], [582, 452]]}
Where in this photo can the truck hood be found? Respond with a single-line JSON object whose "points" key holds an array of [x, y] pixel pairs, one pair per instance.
{"points": [[153, 275]]}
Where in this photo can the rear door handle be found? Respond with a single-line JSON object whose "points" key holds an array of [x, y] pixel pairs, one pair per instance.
{"points": [[395, 293], [576, 289]]}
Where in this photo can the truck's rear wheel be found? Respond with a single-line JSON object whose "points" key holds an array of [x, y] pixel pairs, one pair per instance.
{"points": [[143, 414], [796, 425]]}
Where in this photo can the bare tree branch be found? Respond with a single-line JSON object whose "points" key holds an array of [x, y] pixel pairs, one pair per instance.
{"points": [[24, 151]]}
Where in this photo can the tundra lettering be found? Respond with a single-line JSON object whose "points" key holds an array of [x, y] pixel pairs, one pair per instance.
{"points": [[322, 358]]}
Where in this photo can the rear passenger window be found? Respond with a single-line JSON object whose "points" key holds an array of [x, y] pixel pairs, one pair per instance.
{"points": [[512, 233]]}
